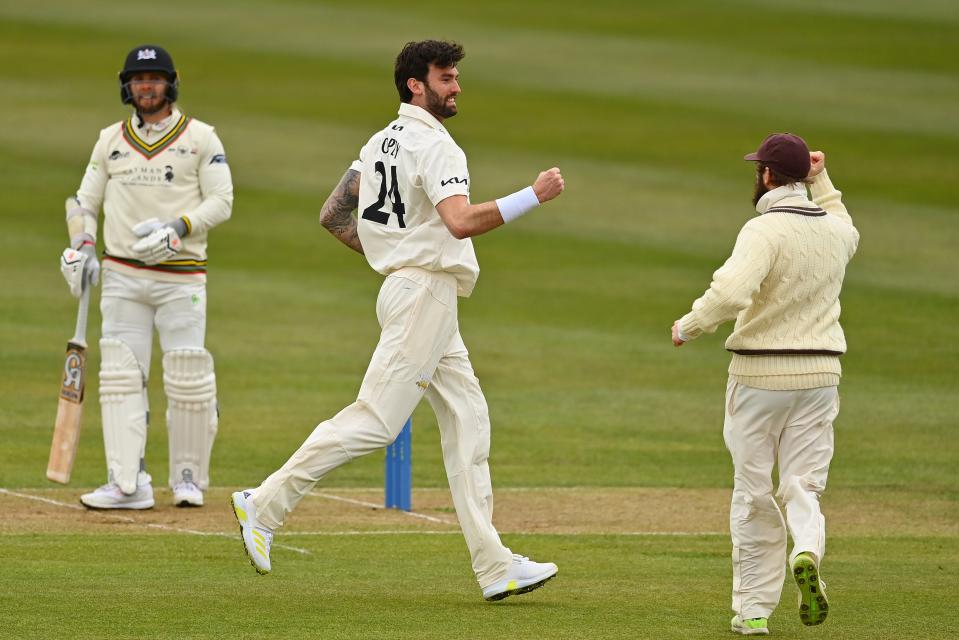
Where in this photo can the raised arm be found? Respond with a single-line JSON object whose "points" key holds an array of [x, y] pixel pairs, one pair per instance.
{"points": [[822, 190], [465, 220], [336, 216]]}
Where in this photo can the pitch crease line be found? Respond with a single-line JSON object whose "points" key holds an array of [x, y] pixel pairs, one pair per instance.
{"points": [[361, 503], [434, 532], [390, 532], [129, 520], [27, 496], [569, 489]]}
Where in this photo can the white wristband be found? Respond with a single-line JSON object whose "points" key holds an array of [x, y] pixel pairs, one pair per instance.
{"points": [[516, 204]]}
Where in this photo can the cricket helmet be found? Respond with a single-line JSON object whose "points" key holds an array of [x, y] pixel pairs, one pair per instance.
{"points": [[149, 57]]}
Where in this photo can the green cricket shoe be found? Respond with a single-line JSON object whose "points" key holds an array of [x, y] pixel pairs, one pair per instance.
{"points": [[813, 606], [750, 626]]}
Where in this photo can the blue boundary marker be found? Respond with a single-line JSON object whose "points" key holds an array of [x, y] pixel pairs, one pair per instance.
{"points": [[399, 470]]}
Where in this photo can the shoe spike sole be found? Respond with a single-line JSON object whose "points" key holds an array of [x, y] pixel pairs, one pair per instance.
{"points": [[520, 590], [243, 542], [123, 508], [813, 606]]}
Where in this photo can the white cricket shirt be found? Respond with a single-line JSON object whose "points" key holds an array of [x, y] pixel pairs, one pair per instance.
{"points": [[406, 170]]}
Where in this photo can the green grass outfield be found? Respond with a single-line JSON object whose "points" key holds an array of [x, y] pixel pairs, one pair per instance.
{"points": [[647, 108], [649, 588]]}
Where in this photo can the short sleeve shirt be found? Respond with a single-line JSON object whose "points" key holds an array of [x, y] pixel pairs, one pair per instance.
{"points": [[406, 169]]}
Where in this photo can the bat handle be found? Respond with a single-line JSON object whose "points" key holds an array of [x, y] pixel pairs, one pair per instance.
{"points": [[80, 337]]}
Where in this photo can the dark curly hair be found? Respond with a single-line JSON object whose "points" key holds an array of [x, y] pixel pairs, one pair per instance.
{"points": [[415, 59]]}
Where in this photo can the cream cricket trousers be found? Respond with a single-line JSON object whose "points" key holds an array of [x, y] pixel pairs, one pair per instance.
{"points": [[763, 428], [420, 352]]}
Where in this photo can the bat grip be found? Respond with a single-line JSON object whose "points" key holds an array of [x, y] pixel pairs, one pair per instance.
{"points": [[80, 336]]}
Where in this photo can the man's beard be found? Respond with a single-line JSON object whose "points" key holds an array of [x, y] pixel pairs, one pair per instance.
{"points": [[759, 187], [437, 105], [160, 103]]}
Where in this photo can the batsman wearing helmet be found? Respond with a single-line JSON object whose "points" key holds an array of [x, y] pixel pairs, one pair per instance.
{"points": [[162, 180], [411, 187], [782, 285]]}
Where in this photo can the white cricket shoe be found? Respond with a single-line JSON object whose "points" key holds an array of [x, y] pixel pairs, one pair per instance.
{"points": [[256, 538], [187, 494], [523, 576], [109, 496]]}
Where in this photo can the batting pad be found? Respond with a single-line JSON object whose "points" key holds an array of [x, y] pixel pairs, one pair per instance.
{"points": [[124, 410], [191, 416]]}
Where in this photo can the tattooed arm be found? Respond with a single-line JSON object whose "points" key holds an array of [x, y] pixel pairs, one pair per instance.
{"points": [[337, 212]]}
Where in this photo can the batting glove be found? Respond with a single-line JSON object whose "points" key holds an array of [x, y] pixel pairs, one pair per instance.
{"points": [[80, 268], [145, 228], [159, 242]]}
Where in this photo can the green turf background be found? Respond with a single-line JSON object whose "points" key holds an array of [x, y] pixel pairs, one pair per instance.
{"points": [[648, 108]]}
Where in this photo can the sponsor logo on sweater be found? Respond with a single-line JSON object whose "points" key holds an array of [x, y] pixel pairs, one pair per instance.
{"points": [[147, 176]]}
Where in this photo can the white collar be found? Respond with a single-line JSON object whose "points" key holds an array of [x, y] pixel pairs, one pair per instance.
{"points": [[419, 113], [771, 197], [162, 125]]}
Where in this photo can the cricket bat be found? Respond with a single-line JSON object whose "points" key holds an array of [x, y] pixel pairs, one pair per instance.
{"points": [[66, 432]]}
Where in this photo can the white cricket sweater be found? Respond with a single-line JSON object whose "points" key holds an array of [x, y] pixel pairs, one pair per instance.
{"points": [[782, 285], [172, 169]]}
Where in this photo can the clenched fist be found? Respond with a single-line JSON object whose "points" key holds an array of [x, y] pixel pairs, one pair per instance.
{"points": [[817, 162], [677, 340], [548, 185]]}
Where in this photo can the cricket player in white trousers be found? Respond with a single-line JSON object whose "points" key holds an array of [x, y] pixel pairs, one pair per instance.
{"points": [[163, 182], [411, 186], [782, 285]]}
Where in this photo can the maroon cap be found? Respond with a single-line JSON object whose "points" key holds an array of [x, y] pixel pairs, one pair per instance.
{"points": [[784, 152]]}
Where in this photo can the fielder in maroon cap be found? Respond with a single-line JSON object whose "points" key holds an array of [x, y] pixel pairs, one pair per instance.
{"points": [[781, 284], [787, 159]]}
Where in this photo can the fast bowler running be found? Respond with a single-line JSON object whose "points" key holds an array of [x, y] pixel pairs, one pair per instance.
{"points": [[411, 186]]}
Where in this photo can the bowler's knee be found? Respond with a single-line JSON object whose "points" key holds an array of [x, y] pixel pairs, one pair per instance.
{"points": [[747, 505], [360, 429], [793, 487]]}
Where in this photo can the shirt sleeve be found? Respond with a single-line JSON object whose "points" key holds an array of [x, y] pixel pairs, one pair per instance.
{"points": [[444, 173], [734, 284], [828, 197], [94, 183], [361, 158], [216, 189]]}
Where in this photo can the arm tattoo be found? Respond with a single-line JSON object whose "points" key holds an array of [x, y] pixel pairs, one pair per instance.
{"points": [[336, 216]]}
